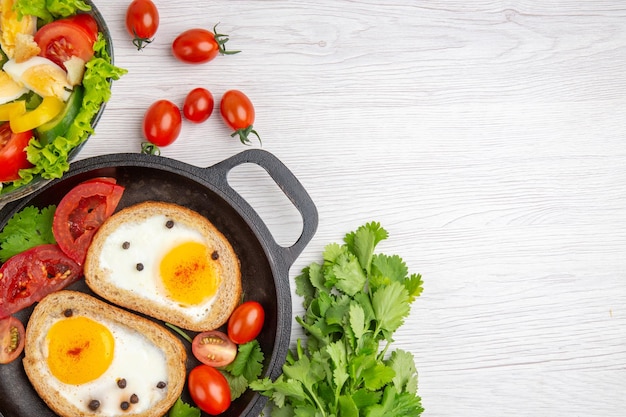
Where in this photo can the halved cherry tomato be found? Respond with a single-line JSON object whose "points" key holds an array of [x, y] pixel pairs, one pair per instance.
{"points": [[13, 152], [209, 389], [213, 348], [162, 123], [238, 114], [198, 105], [246, 322], [196, 46], [11, 339], [80, 214], [64, 38], [31, 275], [142, 22]]}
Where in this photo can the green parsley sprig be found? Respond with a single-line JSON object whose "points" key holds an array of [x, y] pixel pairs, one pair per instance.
{"points": [[26, 229], [354, 302]]}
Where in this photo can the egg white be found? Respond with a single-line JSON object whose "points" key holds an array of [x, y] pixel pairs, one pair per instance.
{"points": [[9, 89], [40, 75], [135, 358], [149, 242]]}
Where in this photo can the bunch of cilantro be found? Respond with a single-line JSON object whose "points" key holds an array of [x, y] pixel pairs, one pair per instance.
{"points": [[354, 302]]}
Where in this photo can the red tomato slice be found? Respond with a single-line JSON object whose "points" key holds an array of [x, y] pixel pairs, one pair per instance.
{"points": [[87, 22], [11, 339], [64, 38], [81, 213], [12, 152], [31, 275]]}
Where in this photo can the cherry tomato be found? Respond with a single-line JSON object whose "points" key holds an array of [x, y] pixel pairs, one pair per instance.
{"points": [[12, 152], [81, 212], [196, 46], [213, 348], [198, 105], [31, 275], [64, 38], [11, 339], [246, 322], [238, 114], [209, 389], [162, 123], [142, 22]]}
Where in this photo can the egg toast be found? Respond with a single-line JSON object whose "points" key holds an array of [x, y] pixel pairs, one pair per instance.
{"points": [[168, 262], [85, 357]]}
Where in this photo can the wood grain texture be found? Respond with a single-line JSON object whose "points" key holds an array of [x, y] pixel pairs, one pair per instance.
{"points": [[486, 136]]}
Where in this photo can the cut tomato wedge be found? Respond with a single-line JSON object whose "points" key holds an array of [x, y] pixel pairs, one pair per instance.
{"points": [[81, 213], [64, 38], [31, 275]]}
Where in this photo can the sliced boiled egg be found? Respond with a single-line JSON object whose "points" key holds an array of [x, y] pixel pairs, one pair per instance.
{"points": [[11, 27], [9, 89], [40, 75]]}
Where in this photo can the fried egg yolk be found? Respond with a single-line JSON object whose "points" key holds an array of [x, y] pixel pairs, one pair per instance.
{"points": [[80, 350], [187, 273]]}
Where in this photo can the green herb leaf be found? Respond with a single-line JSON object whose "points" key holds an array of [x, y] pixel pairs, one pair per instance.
{"points": [[27, 228], [353, 302], [391, 306], [182, 409], [249, 361]]}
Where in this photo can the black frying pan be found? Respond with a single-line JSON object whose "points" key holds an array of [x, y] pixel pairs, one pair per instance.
{"points": [[265, 264]]}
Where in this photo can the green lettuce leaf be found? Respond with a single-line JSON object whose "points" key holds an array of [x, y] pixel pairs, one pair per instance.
{"points": [[48, 10]]}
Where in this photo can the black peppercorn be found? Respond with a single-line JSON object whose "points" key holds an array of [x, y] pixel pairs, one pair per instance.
{"points": [[124, 405], [94, 405], [68, 312], [139, 267], [121, 383], [134, 399], [169, 224], [161, 384], [215, 256], [125, 245]]}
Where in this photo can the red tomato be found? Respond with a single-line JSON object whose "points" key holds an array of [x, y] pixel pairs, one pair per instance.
{"points": [[162, 123], [213, 348], [81, 212], [198, 105], [31, 275], [64, 38], [196, 46], [246, 322], [12, 152], [209, 389], [11, 339], [87, 22], [238, 113], [142, 22]]}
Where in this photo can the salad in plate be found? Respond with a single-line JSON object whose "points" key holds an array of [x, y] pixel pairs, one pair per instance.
{"points": [[56, 73]]}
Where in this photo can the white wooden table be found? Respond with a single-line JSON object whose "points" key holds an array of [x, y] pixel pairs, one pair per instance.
{"points": [[488, 137]]}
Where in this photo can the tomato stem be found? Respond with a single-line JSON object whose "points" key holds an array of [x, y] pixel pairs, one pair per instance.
{"points": [[180, 332], [221, 40], [140, 42], [150, 148], [244, 133]]}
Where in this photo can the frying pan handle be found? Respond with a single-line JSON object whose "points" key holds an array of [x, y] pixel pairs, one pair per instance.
{"points": [[288, 183]]}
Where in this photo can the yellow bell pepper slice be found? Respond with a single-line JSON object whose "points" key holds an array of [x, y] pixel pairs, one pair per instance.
{"points": [[12, 109], [46, 111]]}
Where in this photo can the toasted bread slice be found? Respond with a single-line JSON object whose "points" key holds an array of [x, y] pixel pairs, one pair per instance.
{"points": [[124, 265], [149, 358]]}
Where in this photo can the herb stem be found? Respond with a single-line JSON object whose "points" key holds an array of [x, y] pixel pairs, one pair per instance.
{"points": [[180, 332]]}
